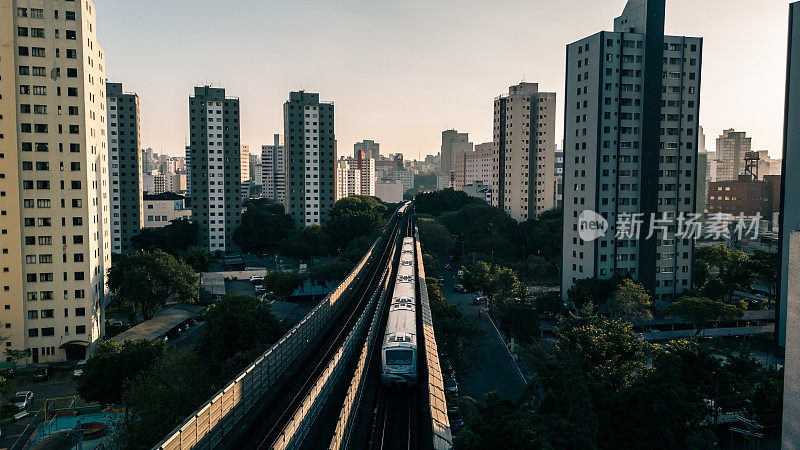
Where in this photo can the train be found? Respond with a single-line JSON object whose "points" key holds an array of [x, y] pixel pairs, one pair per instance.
{"points": [[399, 350]]}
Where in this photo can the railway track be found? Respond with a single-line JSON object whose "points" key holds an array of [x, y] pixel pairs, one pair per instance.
{"points": [[290, 392]]}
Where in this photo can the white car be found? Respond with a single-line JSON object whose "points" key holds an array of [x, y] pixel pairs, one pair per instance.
{"points": [[256, 278], [78, 371], [23, 399]]}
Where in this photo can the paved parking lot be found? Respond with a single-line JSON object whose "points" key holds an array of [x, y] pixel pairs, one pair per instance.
{"points": [[498, 372]]}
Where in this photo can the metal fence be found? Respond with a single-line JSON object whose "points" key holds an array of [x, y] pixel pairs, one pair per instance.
{"points": [[296, 430], [218, 417], [344, 425], [440, 423]]}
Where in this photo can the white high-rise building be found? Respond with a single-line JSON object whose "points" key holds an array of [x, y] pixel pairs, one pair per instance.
{"points": [[631, 148], [273, 172], [55, 240], [731, 147], [354, 180], [524, 151]]}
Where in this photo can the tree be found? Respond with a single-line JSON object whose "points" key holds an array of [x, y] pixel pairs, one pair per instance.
{"points": [[734, 271], [434, 236], [160, 398], [199, 258], [701, 311], [504, 285], [353, 217], [146, 280], [307, 243], [457, 338], [238, 329], [264, 225], [765, 266], [592, 290], [443, 200], [282, 283], [631, 302], [429, 263], [180, 234], [476, 277], [113, 366]]}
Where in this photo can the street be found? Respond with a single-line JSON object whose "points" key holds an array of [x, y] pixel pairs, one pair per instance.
{"points": [[499, 371]]}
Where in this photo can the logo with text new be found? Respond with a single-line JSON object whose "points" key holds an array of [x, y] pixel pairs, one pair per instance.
{"points": [[591, 225]]}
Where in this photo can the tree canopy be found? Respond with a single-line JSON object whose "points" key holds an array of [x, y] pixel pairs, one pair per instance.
{"points": [[180, 234], [146, 280], [702, 311], [114, 365], [264, 225], [238, 329], [353, 217]]}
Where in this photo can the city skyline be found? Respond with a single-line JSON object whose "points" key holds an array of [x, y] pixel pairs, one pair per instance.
{"points": [[444, 58]]}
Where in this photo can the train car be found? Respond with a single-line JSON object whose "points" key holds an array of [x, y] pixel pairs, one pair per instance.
{"points": [[399, 350]]}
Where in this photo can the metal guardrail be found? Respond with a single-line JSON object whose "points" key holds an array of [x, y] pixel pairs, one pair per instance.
{"points": [[296, 430], [440, 423], [344, 425], [218, 417]]}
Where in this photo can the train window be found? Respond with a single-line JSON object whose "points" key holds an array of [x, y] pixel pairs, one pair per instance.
{"points": [[399, 357]]}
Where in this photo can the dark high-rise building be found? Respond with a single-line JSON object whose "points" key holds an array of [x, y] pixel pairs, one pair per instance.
{"points": [[124, 167], [630, 151], [370, 149], [214, 154], [309, 158]]}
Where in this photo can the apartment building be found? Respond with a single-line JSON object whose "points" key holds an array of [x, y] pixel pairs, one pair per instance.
{"points": [[631, 122], [159, 210], [366, 149], [452, 168], [524, 151], [273, 170], [124, 167], [355, 177], [789, 216], [309, 158], [54, 190], [731, 147], [215, 155], [478, 165]]}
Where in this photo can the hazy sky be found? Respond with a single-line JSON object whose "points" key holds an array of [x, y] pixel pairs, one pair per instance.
{"points": [[401, 71]]}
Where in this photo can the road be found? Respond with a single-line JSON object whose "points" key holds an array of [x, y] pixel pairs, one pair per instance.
{"points": [[499, 371]]}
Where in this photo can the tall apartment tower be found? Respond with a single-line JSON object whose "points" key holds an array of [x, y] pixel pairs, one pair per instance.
{"points": [[214, 153], [273, 170], [789, 216], [370, 148], [124, 167], [524, 145], [309, 158], [731, 147], [453, 144], [631, 120], [55, 240], [244, 159]]}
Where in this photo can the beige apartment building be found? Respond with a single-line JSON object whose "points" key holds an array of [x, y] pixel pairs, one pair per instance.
{"points": [[54, 204], [524, 151], [478, 165]]}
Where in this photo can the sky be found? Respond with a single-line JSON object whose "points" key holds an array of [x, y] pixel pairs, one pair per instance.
{"points": [[401, 71]]}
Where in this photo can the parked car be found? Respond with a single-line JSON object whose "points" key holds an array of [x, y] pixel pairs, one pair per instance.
{"points": [[182, 328], [174, 333], [456, 422], [479, 300], [450, 385], [78, 370], [459, 288], [7, 373], [191, 322], [257, 279], [447, 267], [440, 279], [43, 373], [22, 399], [261, 289]]}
